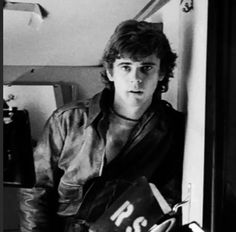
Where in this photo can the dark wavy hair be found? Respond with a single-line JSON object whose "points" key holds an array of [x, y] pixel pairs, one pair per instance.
{"points": [[137, 40]]}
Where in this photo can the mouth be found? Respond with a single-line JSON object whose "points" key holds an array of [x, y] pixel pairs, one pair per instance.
{"points": [[136, 92]]}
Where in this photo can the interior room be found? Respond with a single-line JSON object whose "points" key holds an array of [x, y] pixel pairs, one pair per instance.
{"points": [[52, 55]]}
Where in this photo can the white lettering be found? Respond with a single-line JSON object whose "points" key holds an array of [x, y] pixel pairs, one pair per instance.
{"points": [[138, 222], [123, 212]]}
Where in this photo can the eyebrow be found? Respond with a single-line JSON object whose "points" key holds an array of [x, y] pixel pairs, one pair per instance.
{"points": [[144, 63], [124, 63], [148, 63]]}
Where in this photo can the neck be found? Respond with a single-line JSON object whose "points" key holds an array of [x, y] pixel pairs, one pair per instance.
{"points": [[131, 112]]}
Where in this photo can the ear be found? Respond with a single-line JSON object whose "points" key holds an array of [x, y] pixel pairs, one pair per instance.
{"points": [[110, 77]]}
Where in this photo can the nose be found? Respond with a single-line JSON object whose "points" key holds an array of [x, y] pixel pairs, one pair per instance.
{"points": [[136, 76]]}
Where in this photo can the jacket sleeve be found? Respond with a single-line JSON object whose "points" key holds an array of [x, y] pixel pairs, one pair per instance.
{"points": [[37, 205]]}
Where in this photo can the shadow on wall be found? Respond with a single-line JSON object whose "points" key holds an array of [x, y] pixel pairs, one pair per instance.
{"points": [[85, 80], [186, 62]]}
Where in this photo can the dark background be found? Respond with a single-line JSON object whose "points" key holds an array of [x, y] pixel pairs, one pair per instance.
{"points": [[220, 150]]}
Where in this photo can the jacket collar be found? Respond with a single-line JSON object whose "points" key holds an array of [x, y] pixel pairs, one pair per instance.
{"points": [[99, 104]]}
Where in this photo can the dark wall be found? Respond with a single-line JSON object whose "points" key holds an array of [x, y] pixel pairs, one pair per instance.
{"points": [[220, 154]]}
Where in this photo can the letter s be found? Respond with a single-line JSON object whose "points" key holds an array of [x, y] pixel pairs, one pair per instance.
{"points": [[138, 222]]}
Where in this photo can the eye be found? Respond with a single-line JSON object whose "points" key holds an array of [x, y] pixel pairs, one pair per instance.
{"points": [[126, 68], [145, 69]]}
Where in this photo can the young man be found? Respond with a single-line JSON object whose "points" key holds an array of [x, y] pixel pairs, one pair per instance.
{"points": [[124, 132]]}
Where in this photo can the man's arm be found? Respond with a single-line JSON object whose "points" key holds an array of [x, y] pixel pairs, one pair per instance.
{"points": [[38, 205]]}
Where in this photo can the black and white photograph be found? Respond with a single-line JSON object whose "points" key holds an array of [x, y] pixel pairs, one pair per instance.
{"points": [[119, 116]]}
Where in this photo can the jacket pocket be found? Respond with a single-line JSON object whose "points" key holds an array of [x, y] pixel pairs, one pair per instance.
{"points": [[70, 197]]}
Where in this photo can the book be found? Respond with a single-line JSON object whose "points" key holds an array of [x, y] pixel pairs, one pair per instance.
{"points": [[141, 208]]}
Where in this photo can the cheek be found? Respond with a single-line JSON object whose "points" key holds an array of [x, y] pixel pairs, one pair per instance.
{"points": [[151, 84], [120, 84], [121, 79]]}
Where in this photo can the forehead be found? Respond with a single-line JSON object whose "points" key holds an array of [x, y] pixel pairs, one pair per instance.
{"points": [[148, 60]]}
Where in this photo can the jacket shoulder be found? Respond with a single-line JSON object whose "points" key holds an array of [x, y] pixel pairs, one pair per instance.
{"points": [[173, 114], [80, 106]]}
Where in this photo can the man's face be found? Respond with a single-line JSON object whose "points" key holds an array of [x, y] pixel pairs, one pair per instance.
{"points": [[135, 81]]}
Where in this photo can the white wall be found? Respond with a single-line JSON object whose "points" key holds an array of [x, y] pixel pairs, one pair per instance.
{"points": [[169, 15], [187, 34], [39, 100], [193, 71], [74, 33]]}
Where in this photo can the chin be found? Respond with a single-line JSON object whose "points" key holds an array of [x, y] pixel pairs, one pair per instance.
{"points": [[135, 102]]}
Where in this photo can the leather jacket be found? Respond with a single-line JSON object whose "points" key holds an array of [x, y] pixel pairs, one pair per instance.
{"points": [[71, 152]]}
